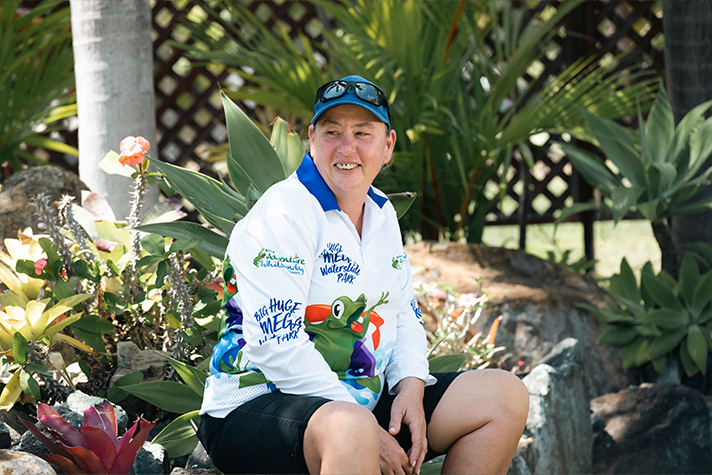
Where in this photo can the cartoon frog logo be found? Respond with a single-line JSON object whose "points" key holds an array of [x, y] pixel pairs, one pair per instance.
{"points": [[260, 255], [338, 333]]}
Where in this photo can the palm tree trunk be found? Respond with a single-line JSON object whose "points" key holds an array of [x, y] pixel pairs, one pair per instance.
{"points": [[113, 65], [688, 71]]}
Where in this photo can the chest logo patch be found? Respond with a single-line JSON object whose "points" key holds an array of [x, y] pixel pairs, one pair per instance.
{"points": [[338, 263], [267, 258], [397, 261]]}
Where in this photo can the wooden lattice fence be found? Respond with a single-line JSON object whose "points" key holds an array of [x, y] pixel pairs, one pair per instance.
{"points": [[190, 120]]}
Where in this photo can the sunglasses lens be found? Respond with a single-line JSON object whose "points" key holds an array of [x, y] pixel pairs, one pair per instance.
{"points": [[333, 90], [368, 93]]}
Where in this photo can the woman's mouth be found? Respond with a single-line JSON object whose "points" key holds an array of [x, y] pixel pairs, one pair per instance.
{"points": [[346, 166]]}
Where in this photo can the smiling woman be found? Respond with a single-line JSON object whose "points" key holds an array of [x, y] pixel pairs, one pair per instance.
{"points": [[321, 366]]}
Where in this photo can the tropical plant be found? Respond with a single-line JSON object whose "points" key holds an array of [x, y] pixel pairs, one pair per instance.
{"points": [[581, 266], [453, 343], [457, 101], [659, 316], [35, 79], [93, 449], [655, 178]]}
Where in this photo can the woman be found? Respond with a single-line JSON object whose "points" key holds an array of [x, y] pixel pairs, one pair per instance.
{"points": [[321, 365]]}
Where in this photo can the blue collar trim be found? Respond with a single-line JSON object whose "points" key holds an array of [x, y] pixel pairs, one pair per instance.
{"points": [[309, 176]]}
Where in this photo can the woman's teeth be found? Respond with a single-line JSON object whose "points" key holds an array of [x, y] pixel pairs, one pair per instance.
{"points": [[346, 166]]}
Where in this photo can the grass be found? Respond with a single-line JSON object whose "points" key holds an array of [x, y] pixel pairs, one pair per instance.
{"points": [[632, 239]]}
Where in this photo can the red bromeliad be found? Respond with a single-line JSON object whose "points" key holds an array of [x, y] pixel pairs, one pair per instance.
{"points": [[96, 447]]}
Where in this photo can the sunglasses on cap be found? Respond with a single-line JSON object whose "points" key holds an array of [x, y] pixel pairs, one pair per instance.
{"points": [[365, 91]]}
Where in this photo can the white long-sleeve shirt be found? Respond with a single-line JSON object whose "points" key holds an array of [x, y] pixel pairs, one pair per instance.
{"points": [[311, 307]]}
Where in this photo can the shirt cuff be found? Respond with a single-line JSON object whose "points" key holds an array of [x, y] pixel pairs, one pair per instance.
{"points": [[429, 381]]}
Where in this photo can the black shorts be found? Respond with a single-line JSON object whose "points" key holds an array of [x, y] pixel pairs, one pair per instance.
{"points": [[265, 435]]}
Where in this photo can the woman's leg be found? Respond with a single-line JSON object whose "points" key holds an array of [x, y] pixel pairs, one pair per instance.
{"points": [[342, 437], [479, 421]]}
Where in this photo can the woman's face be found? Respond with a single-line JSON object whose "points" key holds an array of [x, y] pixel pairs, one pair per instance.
{"points": [[349, 147]]}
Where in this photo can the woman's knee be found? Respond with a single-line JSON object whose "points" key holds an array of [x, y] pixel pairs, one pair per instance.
{"points": [[338, 423]]}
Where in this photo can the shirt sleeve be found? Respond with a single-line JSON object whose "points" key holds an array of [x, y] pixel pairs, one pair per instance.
{"points": [[273, 259], [410, 348]]}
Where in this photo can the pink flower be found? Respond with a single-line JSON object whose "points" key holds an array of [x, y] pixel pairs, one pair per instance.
{"points": [[133, 150], [467, 300], [39, 265]]}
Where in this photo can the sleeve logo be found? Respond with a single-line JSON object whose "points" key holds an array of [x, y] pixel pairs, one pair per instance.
{"points": [[397, 261], [267, 258]]}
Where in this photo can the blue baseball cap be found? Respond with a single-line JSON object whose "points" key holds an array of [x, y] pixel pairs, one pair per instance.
{"points": [[350, 97]]}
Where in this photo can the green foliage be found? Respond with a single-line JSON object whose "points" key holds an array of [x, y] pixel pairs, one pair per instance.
{"points": [[36, 54], [659, 316], [654, 177], [581, 266], [453, 98]]}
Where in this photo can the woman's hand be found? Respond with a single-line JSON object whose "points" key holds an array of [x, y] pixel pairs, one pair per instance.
{"points": [[392, 458], [407, 408]]}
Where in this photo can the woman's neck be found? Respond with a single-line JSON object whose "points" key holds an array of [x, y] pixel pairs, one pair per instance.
{"points": [[355, 212]]}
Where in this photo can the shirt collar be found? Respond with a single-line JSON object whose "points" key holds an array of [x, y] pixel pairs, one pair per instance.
{"points": [[309, 177]]}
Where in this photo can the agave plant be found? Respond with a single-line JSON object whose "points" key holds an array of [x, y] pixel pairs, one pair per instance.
{"points": [[93, 449], [654, 178], [35, 80], [659, 316], [453, 97]]}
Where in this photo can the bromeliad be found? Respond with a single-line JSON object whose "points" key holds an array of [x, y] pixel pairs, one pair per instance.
{"points": [[96, 447]]}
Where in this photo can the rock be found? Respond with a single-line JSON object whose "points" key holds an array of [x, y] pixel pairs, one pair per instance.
{"points": [[559, 420], [11, 418], [653, 429], [28, 443], [129, 359], [195, 471], [5, 438], [79, 402], [16, 212], [21, 463], [536, 299], [518, 466], [152, 459], [199, 458]]}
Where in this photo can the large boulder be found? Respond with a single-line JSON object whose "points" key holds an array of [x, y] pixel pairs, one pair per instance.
{"points": [[559, 422], [21, 463], [536, 299], [16, 211], [653, 429]]}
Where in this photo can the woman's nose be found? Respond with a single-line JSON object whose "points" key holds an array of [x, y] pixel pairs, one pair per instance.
{"points": [[347, 144]]}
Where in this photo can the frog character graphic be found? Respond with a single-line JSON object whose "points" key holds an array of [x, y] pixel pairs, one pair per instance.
{"points": [[260, 255], [338, 332]]}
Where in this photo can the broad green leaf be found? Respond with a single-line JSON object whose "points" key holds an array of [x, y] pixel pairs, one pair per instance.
{"points": [[703, 293], [697, 347], [661, 293], [402, 202], [618, 148], [641, 356], [446, 363], [116, 394], [149, 260], [202, 257], [628, 281], [624, 198], [194, 378], [659, 363], [288, 146], [168, 395], [192, 336], [689, 278], [178, 437], [687, 363], [94, 324], [630, 352], [154, 244], [240, 179], [212, 243], [648, 330], [700, 147], [161, 273], [183, 244], [605, 317], [685, 128], [166, 211], [250, 147], [29, 385], [110, 164], [63, 290], [10, 392], [617, 335], [38, 368], [649, 209], [666, 318], [660, 127], [20, 348], [91, 338], [705, 204], [592, 169]]}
